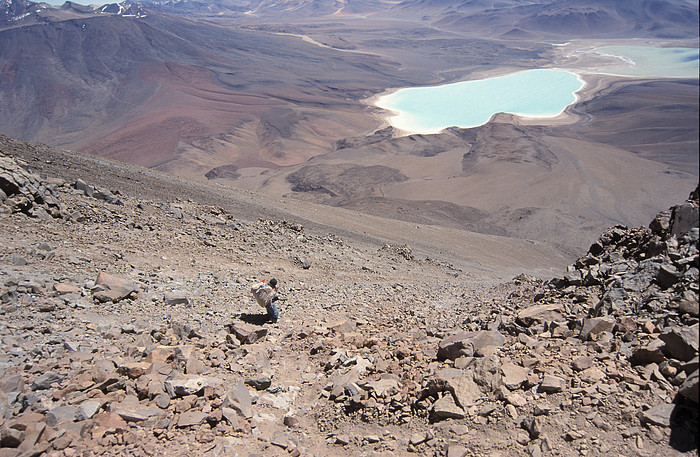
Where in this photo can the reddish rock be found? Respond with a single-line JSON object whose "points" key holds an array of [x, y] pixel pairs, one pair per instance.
{"points": [[113, 288], [552, 384], [538, 314], [595, 326], [514, 376], [582, 363], [64, 288]]}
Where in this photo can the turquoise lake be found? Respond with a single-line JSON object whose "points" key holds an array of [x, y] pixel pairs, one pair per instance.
{"points": [[539, 93], [649, 61], [530, 93]]}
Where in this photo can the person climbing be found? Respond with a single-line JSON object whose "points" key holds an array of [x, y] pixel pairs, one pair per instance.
{"points": [[266, 296]]}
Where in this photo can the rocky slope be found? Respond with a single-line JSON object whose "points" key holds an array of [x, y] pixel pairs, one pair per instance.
{"points": [[127, 328]]}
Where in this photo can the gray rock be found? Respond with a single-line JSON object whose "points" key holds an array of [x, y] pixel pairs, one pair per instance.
{"points": [[107, 195], [31, 437], [582, 363], [667, 276], [591, 375], [658, 415], [418, 438], [11, 383], [162, 400], [173, 298], [45, 381], [691, 365], [514, 376], [685, 217], [352, 389], [652, 352], [689, 388], [533, 425], [71, 346], [279, 439], [191, 418], [259, 383], [487, 371], [681, 342], [456, 450], [614, 299], [231, 416], [342, 439], [247, 333], [691, 307], [459, 383], [134, 413], [574, 278], [87, 409], [18, 260], [84, 187], [10, 437], [238, 398], [291, 421], [447, 408], [661, 223], [4, 406], [384, 386], [61, 414]]}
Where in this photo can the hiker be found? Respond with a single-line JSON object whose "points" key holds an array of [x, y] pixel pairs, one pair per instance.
{"points": [[266, 296]]}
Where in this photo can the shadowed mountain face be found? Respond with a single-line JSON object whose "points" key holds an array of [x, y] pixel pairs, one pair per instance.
{"points": [[149, 90]]}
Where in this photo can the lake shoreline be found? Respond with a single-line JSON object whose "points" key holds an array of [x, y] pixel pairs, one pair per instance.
{"points": [[580, 60]]}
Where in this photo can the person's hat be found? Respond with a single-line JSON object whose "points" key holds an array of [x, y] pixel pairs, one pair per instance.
{"points": [[273, 282]]}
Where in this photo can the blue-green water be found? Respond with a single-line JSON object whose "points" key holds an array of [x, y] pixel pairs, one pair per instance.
{"points": [[531, 93], [650, 61]]}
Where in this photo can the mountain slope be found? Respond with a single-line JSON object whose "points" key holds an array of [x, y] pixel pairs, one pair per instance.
{"points": [[577, 19], [172, 86]]}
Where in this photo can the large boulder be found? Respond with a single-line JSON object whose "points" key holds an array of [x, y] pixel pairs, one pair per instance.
{"points": [[113, 288], [681, 342]]}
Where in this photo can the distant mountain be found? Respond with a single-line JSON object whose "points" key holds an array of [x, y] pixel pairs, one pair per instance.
{"points": [[194, 8], [15, 13], [16, 10], [155, 88], [510, 18], [269, 8], [567, 18]]}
